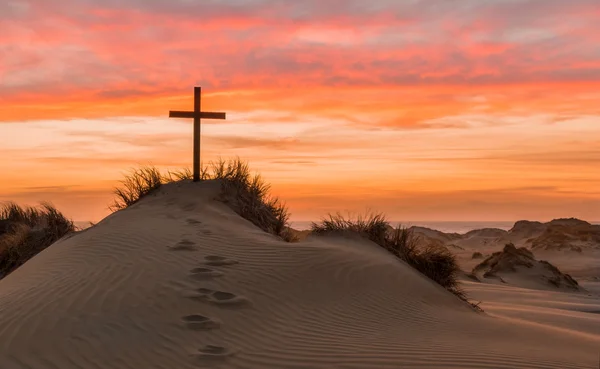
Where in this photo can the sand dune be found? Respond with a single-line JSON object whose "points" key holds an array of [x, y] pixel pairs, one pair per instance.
{"points": [[178, 280], [571, 313], [472, 239], [526, 229], [519, 267], [556, 235], [569, 235]]}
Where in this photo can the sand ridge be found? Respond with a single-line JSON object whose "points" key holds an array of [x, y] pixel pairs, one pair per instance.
{"points": [[179, 280], [519, 267]]}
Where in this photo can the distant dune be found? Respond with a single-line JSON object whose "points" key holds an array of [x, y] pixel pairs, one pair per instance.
{"points": [[520, 268], [570, 234], [527, 229], [179, 280], [558, 235]]}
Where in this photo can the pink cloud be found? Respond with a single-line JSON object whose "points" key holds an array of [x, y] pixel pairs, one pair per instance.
{"points": [[136, 48]]}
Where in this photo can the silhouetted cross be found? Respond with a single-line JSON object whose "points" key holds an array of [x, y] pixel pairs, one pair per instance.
{"points": [[196, 115]]}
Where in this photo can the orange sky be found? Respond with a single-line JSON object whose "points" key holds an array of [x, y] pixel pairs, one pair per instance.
{"points": [[426, 110]]}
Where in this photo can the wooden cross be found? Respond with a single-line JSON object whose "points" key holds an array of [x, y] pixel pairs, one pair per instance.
{"points": [[196, 115]]}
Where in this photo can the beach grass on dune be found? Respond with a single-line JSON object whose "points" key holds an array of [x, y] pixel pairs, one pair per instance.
{"points": [[135, 186], [437, 263], [26, 231], [249, 196], [372, 225], [246, 193]]}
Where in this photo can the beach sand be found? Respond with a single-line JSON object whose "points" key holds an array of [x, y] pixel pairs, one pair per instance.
{"points": [[179, 280]]}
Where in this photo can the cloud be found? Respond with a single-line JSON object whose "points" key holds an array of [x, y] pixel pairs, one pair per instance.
{"points": [[410, 205], [435, 95], [125, 50], [51, 188]]}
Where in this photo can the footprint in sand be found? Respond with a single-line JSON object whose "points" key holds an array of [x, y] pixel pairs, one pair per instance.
{"points": [[183, 245], [214, 260], [205, 273], [214, 352], [191, 221], [219, 297], [198, 322]]}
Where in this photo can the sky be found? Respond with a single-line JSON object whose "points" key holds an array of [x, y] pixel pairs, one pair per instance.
{"points": [[423, 109]]}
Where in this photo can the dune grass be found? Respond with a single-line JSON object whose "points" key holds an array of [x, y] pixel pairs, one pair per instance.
{"points": [[246, 193], [437, 263], [136, 185], [249, 196], [373, 225], [25, 231], [477, 255]]}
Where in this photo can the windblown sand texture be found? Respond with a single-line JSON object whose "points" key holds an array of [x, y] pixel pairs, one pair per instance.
{"points": [[180, 281]]}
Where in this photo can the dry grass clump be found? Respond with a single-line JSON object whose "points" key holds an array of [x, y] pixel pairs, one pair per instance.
{"points": [[139, 183], [477, 255], [247, 194], [437, 263], [25, 231], [372, 225]]}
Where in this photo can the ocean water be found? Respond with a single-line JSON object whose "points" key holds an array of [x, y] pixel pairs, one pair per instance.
{"points": [[444, 226]]}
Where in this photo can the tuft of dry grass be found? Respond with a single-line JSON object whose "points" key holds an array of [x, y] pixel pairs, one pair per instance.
{"points": [[372, 225], [476, 255], [247, 194], [139, 183], [184, 174], [26, 231], [436, 263]]}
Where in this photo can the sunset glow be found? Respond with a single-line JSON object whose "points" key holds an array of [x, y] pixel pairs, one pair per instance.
{"points": [[426, 110]]}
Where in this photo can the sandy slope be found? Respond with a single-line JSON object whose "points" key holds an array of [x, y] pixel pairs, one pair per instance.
{"points": [[576, 314], [180, 281]]}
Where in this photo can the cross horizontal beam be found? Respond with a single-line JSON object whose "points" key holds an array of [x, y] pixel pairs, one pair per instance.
{"points": [[191, 114]]}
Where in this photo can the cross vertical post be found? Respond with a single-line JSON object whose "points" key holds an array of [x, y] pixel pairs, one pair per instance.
{"points": [[197, 93], [197, 114]]}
